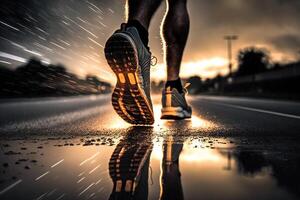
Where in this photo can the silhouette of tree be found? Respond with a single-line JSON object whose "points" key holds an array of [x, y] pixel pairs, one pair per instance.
{"points": [[252, 60], [36, 79], [250, 163], [194, 80], [196, 84], [156, 87], [7, 79]]}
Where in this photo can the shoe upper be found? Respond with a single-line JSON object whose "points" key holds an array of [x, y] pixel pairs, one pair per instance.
{"points": [[172, 98], [144, 58]]}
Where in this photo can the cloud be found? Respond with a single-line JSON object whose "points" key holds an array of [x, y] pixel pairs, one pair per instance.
{"points": [[255, 21], [287, 43], [208, 68]]}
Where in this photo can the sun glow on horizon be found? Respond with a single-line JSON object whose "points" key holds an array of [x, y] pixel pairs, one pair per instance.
{"points": [[206, 68]]}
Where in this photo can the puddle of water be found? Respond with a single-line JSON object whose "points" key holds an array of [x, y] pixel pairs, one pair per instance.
{"points": [[144, 166]]}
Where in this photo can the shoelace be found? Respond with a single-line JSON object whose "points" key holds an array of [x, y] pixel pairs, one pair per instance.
{"points": [[153, 61], [185, 87]]}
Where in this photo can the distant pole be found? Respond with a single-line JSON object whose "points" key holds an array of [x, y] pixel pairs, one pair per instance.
{"points": [[230, 39]]}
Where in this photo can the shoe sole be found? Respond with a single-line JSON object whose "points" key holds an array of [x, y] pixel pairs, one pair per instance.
{"points": [[128, 98], [175, 113]]}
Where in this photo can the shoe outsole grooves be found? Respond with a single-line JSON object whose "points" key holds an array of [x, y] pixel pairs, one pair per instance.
{"points": [[128, 98]]}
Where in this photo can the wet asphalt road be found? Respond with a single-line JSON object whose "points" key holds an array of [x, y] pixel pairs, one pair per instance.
{"points": [[78, 148]]}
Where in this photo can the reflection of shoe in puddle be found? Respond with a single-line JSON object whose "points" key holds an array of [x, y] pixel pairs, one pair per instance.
{"points": [[128, 168], [171, 152], [171, 176]]}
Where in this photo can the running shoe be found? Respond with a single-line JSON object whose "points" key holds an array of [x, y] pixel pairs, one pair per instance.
{"points": [[130, 60], [174, 104]]}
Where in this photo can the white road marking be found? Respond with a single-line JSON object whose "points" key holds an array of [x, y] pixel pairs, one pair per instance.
{"points": [[41, 176], [90, 158], [94, 169], [261, 111], [86, 189], [10, 187], [57, 163]]}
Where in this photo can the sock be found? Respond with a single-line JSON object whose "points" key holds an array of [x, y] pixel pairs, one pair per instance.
{"points": [[175, 84], [143, 32]]}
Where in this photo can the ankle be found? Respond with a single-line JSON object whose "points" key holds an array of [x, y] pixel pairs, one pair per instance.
{"points": [[175, 84]]}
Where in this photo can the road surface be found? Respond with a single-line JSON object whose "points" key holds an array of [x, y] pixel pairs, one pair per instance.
{"points": [[78, 148]]}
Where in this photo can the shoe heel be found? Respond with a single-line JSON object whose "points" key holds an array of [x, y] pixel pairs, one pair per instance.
{"points": [[120, 55]]}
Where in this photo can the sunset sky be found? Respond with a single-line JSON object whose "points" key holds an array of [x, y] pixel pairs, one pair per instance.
{"points": [[73, 33]]}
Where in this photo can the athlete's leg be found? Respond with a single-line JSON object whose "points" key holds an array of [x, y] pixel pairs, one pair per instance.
{"points": [[139, 14], [141, 10], [175, 31]]}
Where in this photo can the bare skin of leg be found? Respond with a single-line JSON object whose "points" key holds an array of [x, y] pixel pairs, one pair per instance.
{"points": [[141, 10], [175, 30]]}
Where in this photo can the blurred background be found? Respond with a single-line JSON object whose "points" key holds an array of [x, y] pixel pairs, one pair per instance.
{"points": [[243, 48]]}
